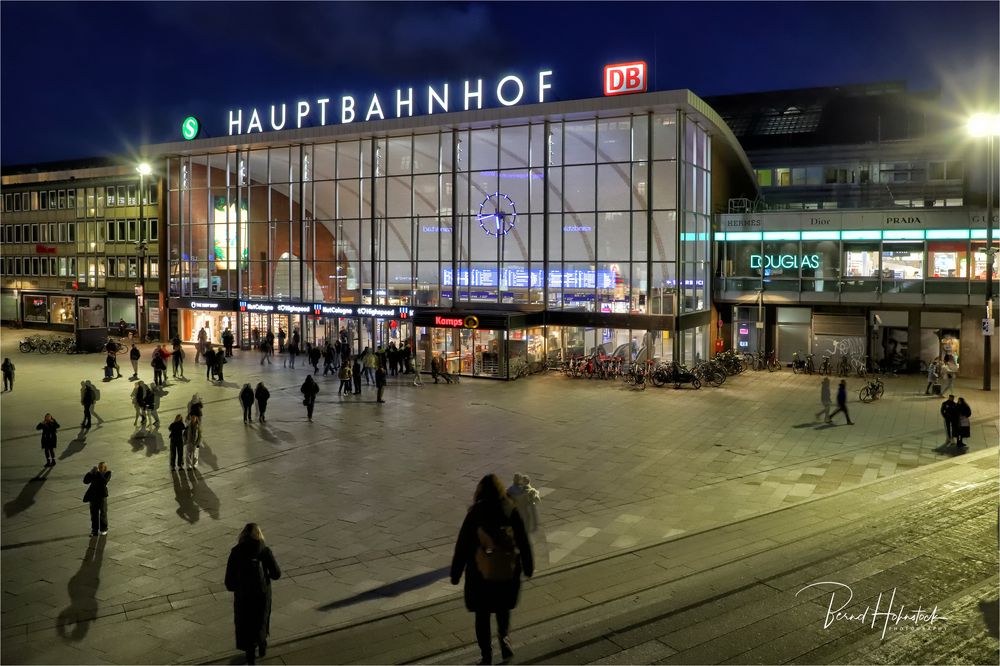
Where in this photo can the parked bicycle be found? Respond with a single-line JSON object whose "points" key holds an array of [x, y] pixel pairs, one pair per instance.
{"points": [[34, 343], [872, 391], [800, 364], [826, 368], [676, 374]]}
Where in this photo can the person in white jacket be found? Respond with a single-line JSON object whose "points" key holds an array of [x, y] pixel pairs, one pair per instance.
{"points": [[526, 499]]}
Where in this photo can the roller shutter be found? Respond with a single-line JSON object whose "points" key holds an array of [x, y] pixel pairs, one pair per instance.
{"points": [[844, 326]]}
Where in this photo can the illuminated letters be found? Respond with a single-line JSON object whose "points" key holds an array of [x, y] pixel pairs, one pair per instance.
{"points": [[784, 261], [374, 108], [542, 85], [346, 106], [400, 103], [238, 122], [254, 122], [303, 111], [520, 90], [322, 109], [478, 94], [274, 125], [432, 96]]}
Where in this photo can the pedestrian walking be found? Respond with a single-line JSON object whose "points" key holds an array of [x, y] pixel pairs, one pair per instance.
{"points": [[209, 356], [525, 498], [355, 374], [841, 403], [246, 399], [177, 429], [824, 399], [200, 346], [392, 356], [309, 390], [949, 413], [48, 426], [345, 380], [964, 422], [265, 352], [933, 373], [380, 380], [262, 395], [159, 364], [314, 355], [194, 437], [228, 339], [220, 361], [112, 360], [370, 362], [139, 402], [329, 356], [133, 356], [249, 572], [97, 480], [89, 395], [177, 358], [949, 379], [492, 551], [293, 351], [8, 375], [269, 339], [281, 340], [153, 403], [415, 366]]}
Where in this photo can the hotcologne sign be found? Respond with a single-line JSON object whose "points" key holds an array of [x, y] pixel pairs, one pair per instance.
{"points": [[509, 90]]}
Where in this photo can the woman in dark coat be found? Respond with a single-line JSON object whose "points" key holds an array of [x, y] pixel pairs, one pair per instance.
{"points": [[491, 511], [309, 390], [249, 573], [262, 395], [246, 399], [48, 426], [964, 413]]}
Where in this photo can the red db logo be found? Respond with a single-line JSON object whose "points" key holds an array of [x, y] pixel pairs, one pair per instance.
{"points": [[628, 77]]}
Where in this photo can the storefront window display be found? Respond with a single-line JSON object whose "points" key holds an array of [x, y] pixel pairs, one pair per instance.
{"points": [[214, 323], [861, 260], [61, 310], [821, 265], [902, 267], [947, 259], [979, 260], [36, 309]]}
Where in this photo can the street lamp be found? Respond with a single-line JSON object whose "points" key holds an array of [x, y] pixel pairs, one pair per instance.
{"points": [[987, 125], [143, 169]]}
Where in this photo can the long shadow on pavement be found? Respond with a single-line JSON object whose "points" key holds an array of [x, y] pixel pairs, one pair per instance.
{"points": [[75, 446], [203, 495], [26, 497], [187, 508], [393, 589], [74, 621], [37, 542]]}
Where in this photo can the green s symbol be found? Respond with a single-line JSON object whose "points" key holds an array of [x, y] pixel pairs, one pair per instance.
{"points": [[190, 128]]}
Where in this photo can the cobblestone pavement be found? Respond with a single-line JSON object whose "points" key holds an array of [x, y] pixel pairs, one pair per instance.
{"points": [[362, 505]]}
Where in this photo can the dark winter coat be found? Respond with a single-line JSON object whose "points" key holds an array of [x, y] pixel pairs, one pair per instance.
{"points": [[380, 376], [98, 485], [8, 368], [246, 396], [177, 429], [251, 608], [964, 411], [480, 594], [48, 433], [949, 411], [262, 395], [134, 354], [309, 389]]}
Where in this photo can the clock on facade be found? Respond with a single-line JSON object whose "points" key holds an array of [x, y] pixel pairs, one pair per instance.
{"points": [[497, 214]]}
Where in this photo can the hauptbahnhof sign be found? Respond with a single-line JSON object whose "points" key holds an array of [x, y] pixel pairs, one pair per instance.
{"points": [[508, 90]]}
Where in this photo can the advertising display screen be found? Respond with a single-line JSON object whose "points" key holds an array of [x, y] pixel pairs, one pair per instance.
{"points": [[224, 220]]}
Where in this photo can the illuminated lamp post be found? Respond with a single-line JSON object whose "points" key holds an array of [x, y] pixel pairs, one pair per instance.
{"points": [[987, 125], [143, 170]]}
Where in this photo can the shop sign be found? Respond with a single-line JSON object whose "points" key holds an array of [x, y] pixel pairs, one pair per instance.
{"points": [[509, 90], [471, 321], [45, 249], [784, 260], [352, 310], [625, 78]]}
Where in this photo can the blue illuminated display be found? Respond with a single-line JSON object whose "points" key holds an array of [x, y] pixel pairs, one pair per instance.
{"points": [[522, 278]]}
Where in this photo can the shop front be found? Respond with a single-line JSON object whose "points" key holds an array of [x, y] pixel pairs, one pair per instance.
{"points": [[194, 314], [476, 343]]}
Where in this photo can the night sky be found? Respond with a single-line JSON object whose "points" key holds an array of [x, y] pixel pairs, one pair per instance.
{"points": [[88, 79]]}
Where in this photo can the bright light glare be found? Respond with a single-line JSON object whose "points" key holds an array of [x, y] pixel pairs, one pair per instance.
{"points": [[984, 124], [144, 169]]}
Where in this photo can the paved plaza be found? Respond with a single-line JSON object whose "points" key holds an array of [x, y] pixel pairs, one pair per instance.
{"points": [[362, 506]]}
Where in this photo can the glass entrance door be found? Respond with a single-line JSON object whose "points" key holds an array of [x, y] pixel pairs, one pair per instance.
{"points": [[483, 353]]}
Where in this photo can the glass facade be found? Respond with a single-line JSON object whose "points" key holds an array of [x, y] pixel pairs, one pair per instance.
{"points": [[596, 215]]}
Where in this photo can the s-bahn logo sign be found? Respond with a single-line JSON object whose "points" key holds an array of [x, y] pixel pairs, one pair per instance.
{"points": [[470, 94]]}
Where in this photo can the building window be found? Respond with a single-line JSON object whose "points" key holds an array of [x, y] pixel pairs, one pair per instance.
{"points": [[902, 261], [947, 259], [111, 231], [111, 196], [121, 195], [153, 194], [154, 267], [8, 203], [133, 267], [34, 233], [763, 177], [43, 200], [67, 199], [17, 265], [71, 232], [132, 228], [43, 267], [34, 266], [34, 201], [112, 267], [979, 260], [25, 201], [153, 232], [17, 202], [122, 234], [43, 233], [861, 260], [131, 195], [17, 233], [935, 170], [783, 177]]}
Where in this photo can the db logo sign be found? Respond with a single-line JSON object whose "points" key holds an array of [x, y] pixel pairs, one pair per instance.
{"points": [[628, 77]]}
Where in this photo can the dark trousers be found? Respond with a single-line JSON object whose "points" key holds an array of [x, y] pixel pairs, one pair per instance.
{"points": [[345, 386], [950, 431], [357, 383], [86, 416], [841, 408], [177, 453], [261, 408], [8, 382], [381, 390], [247, 413], [177, 365], [50, 453], [99, 515], [310, 403], [229, 351], [483, 631]]}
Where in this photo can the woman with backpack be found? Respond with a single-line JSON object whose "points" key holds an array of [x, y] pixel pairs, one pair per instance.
{"points": [[249, 572], [492, 550]]}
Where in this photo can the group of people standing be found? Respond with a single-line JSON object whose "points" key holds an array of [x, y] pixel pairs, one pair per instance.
{"points": [[957, 423]]}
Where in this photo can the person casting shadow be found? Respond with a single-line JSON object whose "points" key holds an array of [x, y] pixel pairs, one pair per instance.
{"points": [[26, 497], [74, 621], [203, 495], [76, 445], [186, 506]]}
